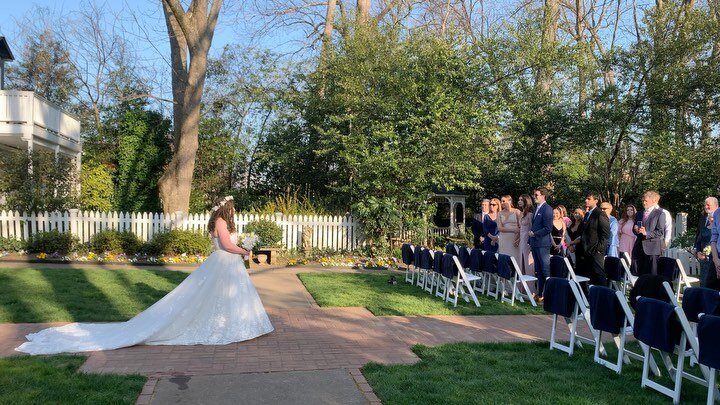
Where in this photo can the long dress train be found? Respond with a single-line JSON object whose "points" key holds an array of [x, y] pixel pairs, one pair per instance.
{"points": [[216, 304]]}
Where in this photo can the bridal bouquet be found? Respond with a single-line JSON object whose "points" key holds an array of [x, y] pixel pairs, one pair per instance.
{"points": [[249, 241]]}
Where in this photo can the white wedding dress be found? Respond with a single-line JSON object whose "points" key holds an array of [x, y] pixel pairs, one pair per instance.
{"points": [[215, 305]]}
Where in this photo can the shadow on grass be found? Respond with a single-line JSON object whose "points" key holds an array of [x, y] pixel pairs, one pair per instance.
{"points": [[50, 295]]}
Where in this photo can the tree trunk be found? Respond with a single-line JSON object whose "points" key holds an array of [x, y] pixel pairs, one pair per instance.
{"points": [[544, 74], [190, 35], [363, 11], [580, 43], [329, 24]]}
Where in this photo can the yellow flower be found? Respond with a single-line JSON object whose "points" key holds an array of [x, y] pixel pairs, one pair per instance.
{"points": [[42, 256]]}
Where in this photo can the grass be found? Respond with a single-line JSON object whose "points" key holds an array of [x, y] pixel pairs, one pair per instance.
{"points": [[54, 379], [90, 295], [514, 373], [371, 290]]}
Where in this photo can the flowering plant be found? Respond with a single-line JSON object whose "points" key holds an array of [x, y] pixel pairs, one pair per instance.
{"points": [[707, 250]]}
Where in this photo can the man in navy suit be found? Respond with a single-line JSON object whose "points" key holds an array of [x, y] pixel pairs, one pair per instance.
{"points": [[540, 239]]}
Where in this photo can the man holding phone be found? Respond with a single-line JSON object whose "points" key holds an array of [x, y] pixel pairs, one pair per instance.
{"points": [[650, 228]]}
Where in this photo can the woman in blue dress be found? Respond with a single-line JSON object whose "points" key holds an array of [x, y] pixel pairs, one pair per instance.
{"points": [[490, 226]]}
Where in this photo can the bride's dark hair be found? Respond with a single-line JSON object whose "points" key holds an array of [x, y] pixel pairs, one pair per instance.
{"points": [[225, 209]]}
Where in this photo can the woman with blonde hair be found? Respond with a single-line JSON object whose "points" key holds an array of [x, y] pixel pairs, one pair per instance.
{"points": [[490, 226], [509, 229], [216, 304]]}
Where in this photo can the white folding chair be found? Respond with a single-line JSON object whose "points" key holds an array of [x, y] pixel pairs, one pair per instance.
{"points": [[626, 262], [610, 312], [476, 269], [657, 324], [561, 267], [510, 279], [562, 298], [461, 285]]}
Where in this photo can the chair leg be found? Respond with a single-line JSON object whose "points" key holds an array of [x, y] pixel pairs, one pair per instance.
{"points": [[711, 387]]}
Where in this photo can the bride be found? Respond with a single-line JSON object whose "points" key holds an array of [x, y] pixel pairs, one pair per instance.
{"points": [[215, 305]]}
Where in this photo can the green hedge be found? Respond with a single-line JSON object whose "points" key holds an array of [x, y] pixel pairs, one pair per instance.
{"points": [[178, 241], [12, 245], [53, 242], [115, 242], [269, 233]]}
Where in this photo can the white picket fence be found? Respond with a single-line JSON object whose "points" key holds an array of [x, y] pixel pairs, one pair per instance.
{"points": [[332, 232]]}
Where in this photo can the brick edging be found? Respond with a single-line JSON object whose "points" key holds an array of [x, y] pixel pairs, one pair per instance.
{"points": [[364, 387]]}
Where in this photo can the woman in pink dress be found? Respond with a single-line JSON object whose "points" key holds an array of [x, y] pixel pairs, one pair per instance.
{"points": [[625, 231], [526, 208]]}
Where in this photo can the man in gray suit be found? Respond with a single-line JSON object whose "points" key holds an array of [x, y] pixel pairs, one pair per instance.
{"points": [[652, 234]]}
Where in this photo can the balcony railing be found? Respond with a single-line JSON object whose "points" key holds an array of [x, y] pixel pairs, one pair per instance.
{"points": [[48, 119]]}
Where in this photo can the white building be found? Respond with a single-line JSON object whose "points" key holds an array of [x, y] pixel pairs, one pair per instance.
{"points": [[29, 122]]}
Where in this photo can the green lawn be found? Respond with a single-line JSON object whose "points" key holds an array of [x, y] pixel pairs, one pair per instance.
{"points": [[371, 290], [513, 373], [50, 295], [54, 380]]}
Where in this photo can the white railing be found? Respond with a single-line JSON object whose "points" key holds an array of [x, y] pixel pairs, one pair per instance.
{"points": [[689, 262], [325, 231], [27, 108]]}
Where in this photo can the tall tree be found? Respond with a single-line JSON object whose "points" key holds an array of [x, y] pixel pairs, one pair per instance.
{"points": [[45, 67], [191, 33]]}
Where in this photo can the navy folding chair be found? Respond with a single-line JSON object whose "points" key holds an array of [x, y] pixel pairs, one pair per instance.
{"points": [[490, 273], [696, 301], [407, 253], [615, 272], [475, 267], [417, 260], [560, 267], [426, 266], [663, 326], [708, 330], [562, 298], [451, 248], [610, 312], [446, 274], [464, 256]]}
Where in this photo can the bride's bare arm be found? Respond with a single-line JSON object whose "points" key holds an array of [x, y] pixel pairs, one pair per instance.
{"points": [[224, 238]]}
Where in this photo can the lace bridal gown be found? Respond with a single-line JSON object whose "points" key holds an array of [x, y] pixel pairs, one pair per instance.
{"points": [[216, 304]]}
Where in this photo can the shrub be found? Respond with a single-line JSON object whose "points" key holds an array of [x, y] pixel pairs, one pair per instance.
{"points": [[177, 242], [12, 245], [53, 241], [115, 242], [96, 191], [269, 233]]}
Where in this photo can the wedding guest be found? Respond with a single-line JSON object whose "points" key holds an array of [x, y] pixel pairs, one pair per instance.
{"points": [[708, 278], [477, 224], [564, 214], [540, 240], [613, 242], [509, 229], [626, 236], [650, 243], [668, 228], [490, 226], [714, 236], [558, 233], [574, 231], [593, 242], [526, 214]]}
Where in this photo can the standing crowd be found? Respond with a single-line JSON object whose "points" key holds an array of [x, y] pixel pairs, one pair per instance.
{"points": [[532, 231]]}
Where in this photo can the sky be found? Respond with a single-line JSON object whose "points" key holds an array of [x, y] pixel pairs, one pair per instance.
{"points": [[143, 24]]}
